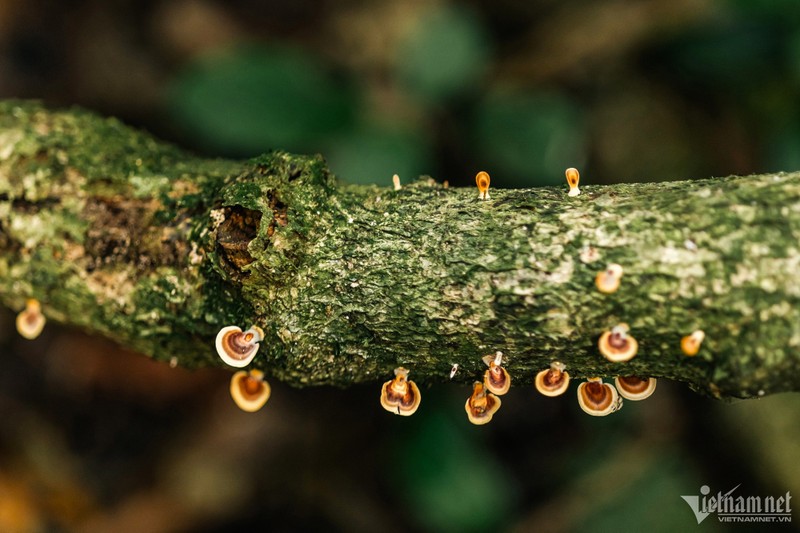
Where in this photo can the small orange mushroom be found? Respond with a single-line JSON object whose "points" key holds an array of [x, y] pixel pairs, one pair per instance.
{"points": [[635, 388], [482, 405], [617, 345], [31, 321], [236, 347], [573, 178], [250, 390], [597, 398], [400, 395], [554, 381], [690, 344], [608, 280], [396, 182], [482, 180], [496, 379]]}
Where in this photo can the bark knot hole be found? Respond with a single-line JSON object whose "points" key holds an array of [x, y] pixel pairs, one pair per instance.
{"points": [[234, 234]]}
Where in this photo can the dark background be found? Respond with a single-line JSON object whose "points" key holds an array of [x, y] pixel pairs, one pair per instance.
{"points": [[94, 438]]}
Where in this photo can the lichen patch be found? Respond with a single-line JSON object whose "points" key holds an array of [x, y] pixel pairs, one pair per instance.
{"points": [[778, 310], [109, 285], [33, 229], [8, 142], [744, 275], [563, 272]]}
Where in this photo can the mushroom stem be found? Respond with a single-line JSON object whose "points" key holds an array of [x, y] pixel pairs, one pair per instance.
{"points": [[619, 334], [498, 358]]}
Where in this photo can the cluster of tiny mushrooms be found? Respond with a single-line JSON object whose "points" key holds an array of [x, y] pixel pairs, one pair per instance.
{"points": [[401, 396]]}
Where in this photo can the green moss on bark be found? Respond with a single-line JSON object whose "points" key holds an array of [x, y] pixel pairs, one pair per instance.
{"points": [[122, 235]]}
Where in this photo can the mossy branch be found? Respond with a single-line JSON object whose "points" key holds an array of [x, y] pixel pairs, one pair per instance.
{"points": [[135, 240]]}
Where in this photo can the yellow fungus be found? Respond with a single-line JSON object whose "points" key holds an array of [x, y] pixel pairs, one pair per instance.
{"points": [[482, 405], [31, 321], [400, 395], [554, 381], [617, 345], [496, 379], [250, 390], [608, 280], [597, 398], [690, 344], [482, 180], [635, 388], [236, 347], [573, 178]]}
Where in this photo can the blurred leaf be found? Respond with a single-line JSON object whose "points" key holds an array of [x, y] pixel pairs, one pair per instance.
{"points": [[372, 154], [785, 11], [451, 482], [446, 54], [783, 151], [249, 100], [793, 55], [531, 138], [768, 431], [737, 56], [650, 503]]}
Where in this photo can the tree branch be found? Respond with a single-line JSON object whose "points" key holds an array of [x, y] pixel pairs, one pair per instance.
{"points": [[137, 241]]}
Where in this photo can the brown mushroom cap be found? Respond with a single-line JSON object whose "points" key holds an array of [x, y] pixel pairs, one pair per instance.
{"points": [[635, 388], [249, 390], [554, 381], [482, 405], [400, 395], [690, 344], [597, 398], [496, 358], [608, 280], [31, 321], [236, 347], [573, 179], [482, 180], [617, 345], [497, 380], [573, 176]]}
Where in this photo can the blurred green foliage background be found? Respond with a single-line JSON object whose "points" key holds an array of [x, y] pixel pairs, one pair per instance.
{"points": [[97, 439]]}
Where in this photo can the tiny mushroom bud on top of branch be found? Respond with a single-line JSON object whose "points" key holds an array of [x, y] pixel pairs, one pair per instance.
{"points": [[400, 395], [554, 381], [635, 388], [250, 390], [482, 181], [597, 398], [573, 178], [690, 344], [30, 321], [453, 370], [482, 405], [496, 378], [238, 348], [608, 280], [617, 345]]}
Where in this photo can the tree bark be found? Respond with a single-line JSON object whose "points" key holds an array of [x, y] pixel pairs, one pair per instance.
{"points": [[135, 240]]}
